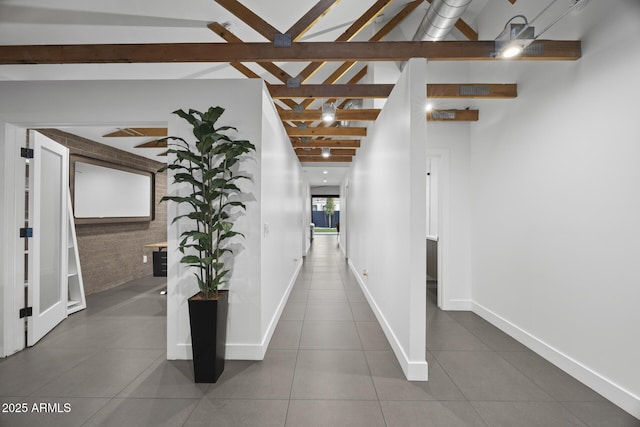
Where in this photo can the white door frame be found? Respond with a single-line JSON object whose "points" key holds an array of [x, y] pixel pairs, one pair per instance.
{"points": [[439, 159], [44, 320]]}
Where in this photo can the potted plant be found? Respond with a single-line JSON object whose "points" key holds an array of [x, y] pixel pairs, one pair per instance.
{"points": [[210, 168]]}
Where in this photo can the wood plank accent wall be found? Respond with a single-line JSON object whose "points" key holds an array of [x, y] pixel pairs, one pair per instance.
{"points": [[111, 254]]}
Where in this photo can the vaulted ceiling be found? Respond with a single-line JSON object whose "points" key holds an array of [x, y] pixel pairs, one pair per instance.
{"points": [[308, 52]]}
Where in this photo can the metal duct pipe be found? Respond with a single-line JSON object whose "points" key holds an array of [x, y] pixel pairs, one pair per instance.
{"points": [[440, 19]]}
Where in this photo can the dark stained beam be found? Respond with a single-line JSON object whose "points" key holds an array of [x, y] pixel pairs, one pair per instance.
{"points": [[310, 18], [137, 132], [327, 143], [247, 16], [472, 90], [316, 115], [257, 52], [333, 131], [348, 35], [320, 159], [331, 91], [153, 144], [318, 152], [227, 35]]}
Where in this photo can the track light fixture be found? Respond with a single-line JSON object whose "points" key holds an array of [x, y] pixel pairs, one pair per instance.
{"points": [[514, 38], [326, 152], [328, 112]]}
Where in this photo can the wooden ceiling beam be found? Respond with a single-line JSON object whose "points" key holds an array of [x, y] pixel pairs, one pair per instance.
{"points": [[137, 132], [227, 35], [153, 144], [318, 131], [348, 35], [310, 18], [265, 52], [386, 29], [318, 151], [327, 143], [331, 91], [472, 90], [358, 91], [247, 16], [364, 115], [397, 19], [320, 159], [353, 80], [451, 115]]}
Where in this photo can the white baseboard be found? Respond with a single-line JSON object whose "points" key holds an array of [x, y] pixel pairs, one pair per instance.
{"points": [[413, 370], [244, 351], [611, 391]]}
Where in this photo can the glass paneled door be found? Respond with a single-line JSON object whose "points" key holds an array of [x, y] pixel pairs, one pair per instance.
{"points": [[47, 274]]}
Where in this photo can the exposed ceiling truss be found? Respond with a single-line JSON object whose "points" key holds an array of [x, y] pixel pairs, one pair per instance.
{"points": [[296, 99]]}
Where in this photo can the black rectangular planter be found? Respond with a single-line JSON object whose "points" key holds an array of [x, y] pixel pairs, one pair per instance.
{"points": [[208, 320]]}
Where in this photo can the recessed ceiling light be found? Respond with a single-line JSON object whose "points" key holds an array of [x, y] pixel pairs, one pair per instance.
{"points": [[429, 107], [325, 172]]}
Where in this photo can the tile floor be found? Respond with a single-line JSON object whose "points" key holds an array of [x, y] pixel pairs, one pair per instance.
{"points": [[328, 364]]}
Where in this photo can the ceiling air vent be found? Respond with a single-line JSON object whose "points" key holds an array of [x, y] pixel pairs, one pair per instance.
{"points": [[443, 115], [475, 90]]}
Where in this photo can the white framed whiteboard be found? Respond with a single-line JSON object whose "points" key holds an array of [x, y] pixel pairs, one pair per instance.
{"points": [[106, 192]]}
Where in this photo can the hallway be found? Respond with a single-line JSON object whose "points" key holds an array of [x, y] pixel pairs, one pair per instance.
{"points": [[328, 364]]}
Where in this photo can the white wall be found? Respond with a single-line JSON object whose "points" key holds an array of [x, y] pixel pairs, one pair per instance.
{"points": [[387, 208], [282, 203], [122, 103], [556, 206], [448, 144]]}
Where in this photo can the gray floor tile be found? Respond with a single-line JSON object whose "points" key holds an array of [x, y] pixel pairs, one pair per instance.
{"points": [[431, 414], [311, 413], [558, 384], [327, 295], [294, 310], [602, 414], [60, 412], [372, 336], [143, 413], [526, 414], [104, 374], [485, 376], [287, 335], [443, 335], [166, 378], [487, 333], [30, 369], [270, 378], [334, 283], [362, 312], [327, 374], [238, 413], [391, 383], [329, 335], [298, 294], [328, 311], [356, 295], [148, 333]]}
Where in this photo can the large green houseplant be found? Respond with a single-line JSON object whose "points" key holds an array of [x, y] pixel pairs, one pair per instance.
{"points": [[209, 167]]}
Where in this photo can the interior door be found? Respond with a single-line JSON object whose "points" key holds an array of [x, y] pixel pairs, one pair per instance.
{"points": [[47, 271]]}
